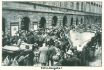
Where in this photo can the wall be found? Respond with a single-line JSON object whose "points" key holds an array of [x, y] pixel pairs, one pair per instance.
{"points": [[15, 12]]}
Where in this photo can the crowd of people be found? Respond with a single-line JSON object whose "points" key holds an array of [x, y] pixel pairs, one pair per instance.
{"points": [[50, 47]]}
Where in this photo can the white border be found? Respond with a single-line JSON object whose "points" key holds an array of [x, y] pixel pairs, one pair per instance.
{"points": [[39, 68]]}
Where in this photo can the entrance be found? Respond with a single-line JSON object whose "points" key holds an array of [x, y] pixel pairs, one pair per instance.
{"points": [[71, 21], [42, 23], [81, 20], [64, 21], [54, 21], [25, 23], [3, 24], [77, 21]]}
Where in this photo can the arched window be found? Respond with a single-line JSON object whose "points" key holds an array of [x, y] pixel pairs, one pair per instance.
{"points": [[64, 21], [96, 20], [94, 4], [54, 21], [99, 5], [87, 20], [42, 23], [3, 24], [25, 23], [81, 20], [77, 6], [71, 21], [91, 3], [77, 21], [72, 5], [81, 6]]}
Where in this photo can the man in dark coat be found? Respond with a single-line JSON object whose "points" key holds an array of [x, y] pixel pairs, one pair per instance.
{"points": [[29, 60], [62, 61], [72, 59], [30, 38], [52, 52], [40, 41]]}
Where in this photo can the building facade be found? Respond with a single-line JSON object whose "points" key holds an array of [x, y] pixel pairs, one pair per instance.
{"points": [[48, 14]]}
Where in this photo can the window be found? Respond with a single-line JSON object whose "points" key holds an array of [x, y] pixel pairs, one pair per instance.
{"points": [[65, 4], [81, 6], [81, 20], [54, 21], [91, 3], [42, 22], [77, 6], [97, 5], [72, 5], [77, 21], [64, 21], [25, 23], [71, 21], [3, 24]]}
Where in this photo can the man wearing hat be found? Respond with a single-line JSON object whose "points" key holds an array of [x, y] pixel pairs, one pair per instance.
{"points": [[52, 52], [43, 55], [72, 60]]}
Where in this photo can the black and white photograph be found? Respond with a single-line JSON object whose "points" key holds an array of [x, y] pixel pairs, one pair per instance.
{"points": [[52, 33]]}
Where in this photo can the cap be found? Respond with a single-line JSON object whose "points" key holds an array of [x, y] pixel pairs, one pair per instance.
{"points": [[69, 52], [35, 44]]}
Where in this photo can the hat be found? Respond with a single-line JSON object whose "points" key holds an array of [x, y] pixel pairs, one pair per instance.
{"points": [[35, 44], [56, 40], [69, 52]]}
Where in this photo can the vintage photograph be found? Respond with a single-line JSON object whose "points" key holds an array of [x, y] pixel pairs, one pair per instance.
{"points": [[52, 33]]}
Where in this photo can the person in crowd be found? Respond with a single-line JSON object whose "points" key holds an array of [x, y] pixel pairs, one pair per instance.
{"points": [[6, 40], [29, 61], [43, 55], [40, 40], [72, 60], [99, 39], [28, 38], [36, 37], [62, 60], [19, 41], [36, 53], [52, 52], [55, 49]]}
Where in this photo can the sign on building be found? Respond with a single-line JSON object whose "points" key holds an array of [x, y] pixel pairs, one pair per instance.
{"points": [[35, 24], [14, 26]]}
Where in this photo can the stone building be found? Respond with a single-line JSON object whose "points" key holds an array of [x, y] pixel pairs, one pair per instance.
{"points": [[47, 14]]}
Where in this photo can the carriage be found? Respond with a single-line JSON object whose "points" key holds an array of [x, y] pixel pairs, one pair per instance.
{"points": [[10, 53]]}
